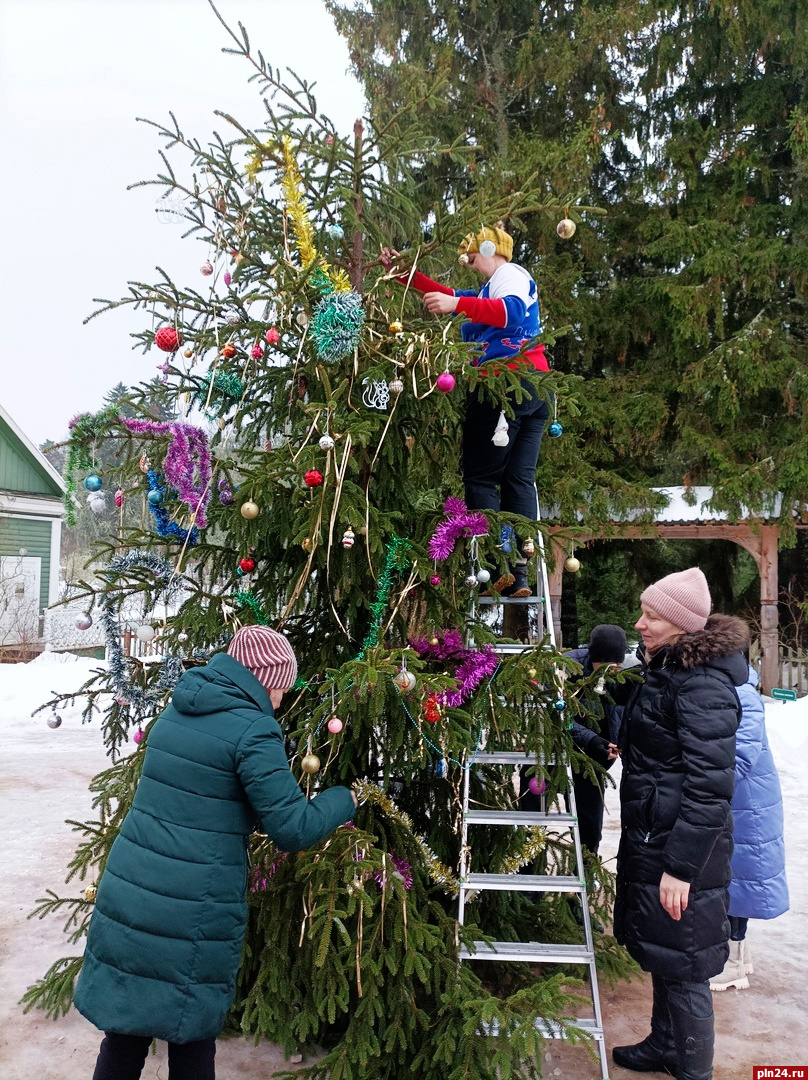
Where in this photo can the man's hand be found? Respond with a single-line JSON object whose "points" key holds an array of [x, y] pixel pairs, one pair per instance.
{"points": [[387, 257], [673, 895], [440, 303]]}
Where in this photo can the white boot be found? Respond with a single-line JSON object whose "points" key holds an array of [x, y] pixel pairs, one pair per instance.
{"points": [[733, 973], [746, 958]]}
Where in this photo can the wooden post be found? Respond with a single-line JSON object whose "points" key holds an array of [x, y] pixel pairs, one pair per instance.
{"points": [[769, 588], [555, 577]]}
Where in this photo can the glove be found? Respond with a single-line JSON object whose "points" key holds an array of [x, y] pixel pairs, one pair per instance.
{"points": [[598, 749]]}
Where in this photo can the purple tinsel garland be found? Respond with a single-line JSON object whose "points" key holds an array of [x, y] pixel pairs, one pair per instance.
{"points": [[187, 463], [473, 665], [459, 522], [402, 867]]}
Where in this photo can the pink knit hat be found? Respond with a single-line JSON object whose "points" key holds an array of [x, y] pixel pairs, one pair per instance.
{"points": [[267, 654], [683, 599]]}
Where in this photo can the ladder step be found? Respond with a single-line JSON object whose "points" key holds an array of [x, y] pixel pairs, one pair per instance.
{"points": [[504, 757], [550, 1029], [518, 817], [523, 883], [513, 648], [525, 951], [510, 599]]}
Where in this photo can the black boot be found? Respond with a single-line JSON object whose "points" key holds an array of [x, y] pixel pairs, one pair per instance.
{"points": [[647, 1056]]}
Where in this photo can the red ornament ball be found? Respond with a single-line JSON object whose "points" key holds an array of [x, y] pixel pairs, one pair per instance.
{"points": [[272, 336], [247, 565], [256, 352], [229, 351], [435, 580], [313, 478], [167, 339]]}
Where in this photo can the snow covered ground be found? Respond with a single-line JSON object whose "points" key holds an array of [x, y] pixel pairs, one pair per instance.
{"points": [[44, 773]]}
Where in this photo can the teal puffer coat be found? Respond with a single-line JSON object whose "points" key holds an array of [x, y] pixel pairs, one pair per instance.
{"points": [[164, 942]]}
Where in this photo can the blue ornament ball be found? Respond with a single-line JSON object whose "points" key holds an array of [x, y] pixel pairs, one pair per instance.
{"points": [[560, 705], [155, 497], [440, 768], [92, 482], [336, 232], [555, 430]]}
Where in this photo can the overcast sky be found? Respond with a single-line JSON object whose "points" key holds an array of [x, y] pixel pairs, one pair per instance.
{"points": [[74, 75]]}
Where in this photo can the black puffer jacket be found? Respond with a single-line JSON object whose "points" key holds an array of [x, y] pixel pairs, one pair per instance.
{"points": [[678, 754]]}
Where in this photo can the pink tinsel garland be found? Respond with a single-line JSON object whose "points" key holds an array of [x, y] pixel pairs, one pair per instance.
{"points": [[459, 522], [472, 665], [187, 463]]}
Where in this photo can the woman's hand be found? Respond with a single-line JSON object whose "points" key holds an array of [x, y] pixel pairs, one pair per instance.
{"points": [[355, 800], [440, 303], [387, 257], [673, 895]]}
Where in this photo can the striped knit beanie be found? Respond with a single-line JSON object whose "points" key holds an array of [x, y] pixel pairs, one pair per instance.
{"points": [[683, 599], [267, 654]]}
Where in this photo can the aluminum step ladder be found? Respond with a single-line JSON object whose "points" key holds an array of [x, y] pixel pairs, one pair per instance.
{"points": [[471, 884]]}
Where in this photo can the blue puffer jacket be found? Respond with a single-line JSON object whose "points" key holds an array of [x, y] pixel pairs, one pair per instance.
{"points": [[758, 889], [164, 943]]}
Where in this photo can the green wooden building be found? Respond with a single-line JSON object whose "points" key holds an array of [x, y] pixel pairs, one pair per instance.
{"points": [[31, 512]]}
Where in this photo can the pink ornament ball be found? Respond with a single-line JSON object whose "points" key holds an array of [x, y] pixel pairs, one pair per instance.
{"points": [[228, 277], [256, 352], [446, 382], [335, 725], [435, 579], [536, 786], [138, 736], [272, 336]]}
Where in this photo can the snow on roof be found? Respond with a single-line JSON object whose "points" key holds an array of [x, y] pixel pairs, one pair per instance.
{"points": [[690, 505]]}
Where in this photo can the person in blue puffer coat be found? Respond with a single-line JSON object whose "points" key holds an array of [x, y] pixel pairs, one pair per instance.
{"points": [[758, 889], [164, 942]]}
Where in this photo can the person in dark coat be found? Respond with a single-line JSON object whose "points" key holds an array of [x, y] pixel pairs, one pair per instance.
{"points": [[758, 889], [607, 646], [165, 939], [678, 753]]}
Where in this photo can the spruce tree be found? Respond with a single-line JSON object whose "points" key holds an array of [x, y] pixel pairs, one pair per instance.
{"points": [[307, 477]]}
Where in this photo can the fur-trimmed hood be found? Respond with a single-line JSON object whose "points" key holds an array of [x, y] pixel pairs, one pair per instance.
{"points": [[722, 636]]}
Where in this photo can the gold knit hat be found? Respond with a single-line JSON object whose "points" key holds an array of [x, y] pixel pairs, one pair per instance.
{"points": [[477, 242]]}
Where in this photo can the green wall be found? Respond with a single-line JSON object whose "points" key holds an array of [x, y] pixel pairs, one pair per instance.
{"points": [[16, 533], [19, 469]]}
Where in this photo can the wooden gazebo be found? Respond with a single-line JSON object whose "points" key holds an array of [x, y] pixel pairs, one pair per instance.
{"points": [[686, 517]]}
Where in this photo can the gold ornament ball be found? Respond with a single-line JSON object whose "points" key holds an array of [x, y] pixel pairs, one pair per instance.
{"points": [[310, 764], [249, 510], [572, 564], [531, 673], [306, 543], [90, 893], [396, 327], [566, 228], [188, 353], [395, 386]]}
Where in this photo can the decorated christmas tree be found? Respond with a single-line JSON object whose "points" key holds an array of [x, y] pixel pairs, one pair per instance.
{"points": [[303, 472]]}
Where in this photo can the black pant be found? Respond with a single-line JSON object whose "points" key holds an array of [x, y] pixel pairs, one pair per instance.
{"points": [[737, 928], [682, 1023], [503, 477], [122, 1057], [589, 805]]}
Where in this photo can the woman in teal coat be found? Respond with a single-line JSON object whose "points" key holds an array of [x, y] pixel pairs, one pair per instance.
{"points": [[164, 943]]}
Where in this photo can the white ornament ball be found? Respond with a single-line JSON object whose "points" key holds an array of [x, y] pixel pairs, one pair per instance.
{"points": [[97, 504], [395, 386], [488, 248], [471, 582], [483, 576], [348, 538], [232, 319], [206, 269], [84, 621], [302, 319], [145, 632], [404, 680], [566, 228], [326, 443], [54, 721]]}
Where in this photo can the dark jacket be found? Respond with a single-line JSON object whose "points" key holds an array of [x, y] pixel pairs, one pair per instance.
{"points": [[758, 889], [606, 716], [165, 939], [678, 755]]}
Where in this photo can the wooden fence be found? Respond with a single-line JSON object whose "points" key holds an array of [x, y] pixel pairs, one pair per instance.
{"points": [[793, 670]]}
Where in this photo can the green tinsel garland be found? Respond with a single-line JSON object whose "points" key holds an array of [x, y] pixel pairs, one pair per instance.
{"points": [[397, 557], [228, 385], [337, 324], [249, 600], [85, 430]]}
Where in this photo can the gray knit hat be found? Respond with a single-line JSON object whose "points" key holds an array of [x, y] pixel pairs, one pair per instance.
{"points": [[267, 654], [683, 599]]}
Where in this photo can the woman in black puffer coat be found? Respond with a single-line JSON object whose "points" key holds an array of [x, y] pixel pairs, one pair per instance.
{"points": [[678, 754]]}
